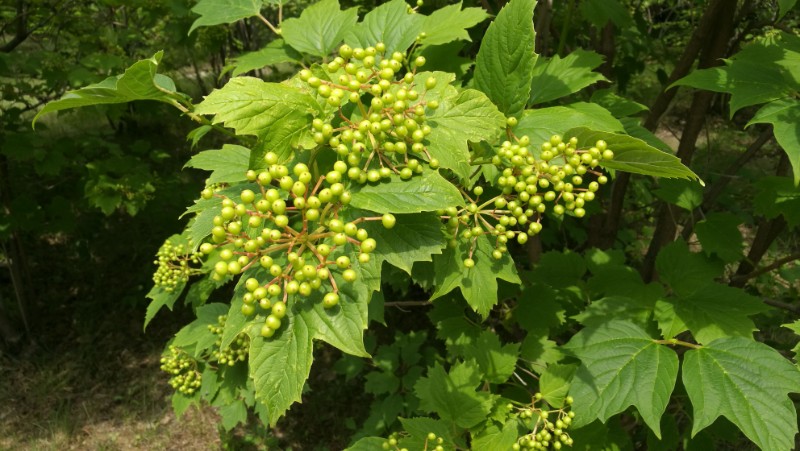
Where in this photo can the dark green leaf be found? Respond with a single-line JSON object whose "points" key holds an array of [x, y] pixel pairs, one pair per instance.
{"points": [[505, 61], [719, 234], [497, 362], [161, 298], [747, 382], [784, 115], [274, 53], [778, 196], [716, 311], [683, 193], [637, 311], [685, 272], [618, 106], [621, 366]]}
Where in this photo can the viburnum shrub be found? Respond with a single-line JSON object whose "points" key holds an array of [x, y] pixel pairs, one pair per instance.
{"points": [[375, 159]]}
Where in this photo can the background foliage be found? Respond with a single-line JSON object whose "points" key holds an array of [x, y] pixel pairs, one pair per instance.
{"points": [[665, 285]]}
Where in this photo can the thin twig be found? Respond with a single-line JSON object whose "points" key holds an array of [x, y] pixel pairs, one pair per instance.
{"points": [[407, 303], [771, 267]]}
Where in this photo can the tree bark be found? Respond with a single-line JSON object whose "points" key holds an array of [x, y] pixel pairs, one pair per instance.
{"points": [[710, 55], [608, 233]]}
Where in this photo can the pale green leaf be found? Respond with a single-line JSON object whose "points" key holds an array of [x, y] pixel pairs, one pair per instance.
{"points": [[747, 382], [159, 297], [505, 61], [719, 234], [450, 24], [634, 155], [494, 438], [216, 12], [540, 124], [367, 444], [621, 366], [196, 333], [419, 428], [279, 115], [716, 311], [228, 165], [342, 326], [478, 284], [466, 116], [669, 323], [280, 365], [784, 115], [273, 53], [389, 23], [139, 82], [453, 396], [554, 383], [254, 107], [320, 28], [540, 351], [558, 77], [233, 414], [427, 192]]}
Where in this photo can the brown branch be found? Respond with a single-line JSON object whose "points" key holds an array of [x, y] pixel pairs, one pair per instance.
{"points": [[782, 305], [407, 303], [771, 267]]}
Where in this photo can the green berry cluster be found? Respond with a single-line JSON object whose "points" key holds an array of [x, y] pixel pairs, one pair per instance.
{"points": [[432, 442], [386, 132], [183, 368], [174, 262], [236, 352], [548, 428], [528, 187], [297, 237]]}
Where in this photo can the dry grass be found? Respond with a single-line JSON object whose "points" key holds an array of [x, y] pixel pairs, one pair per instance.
{"points": [[112, 400]]}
